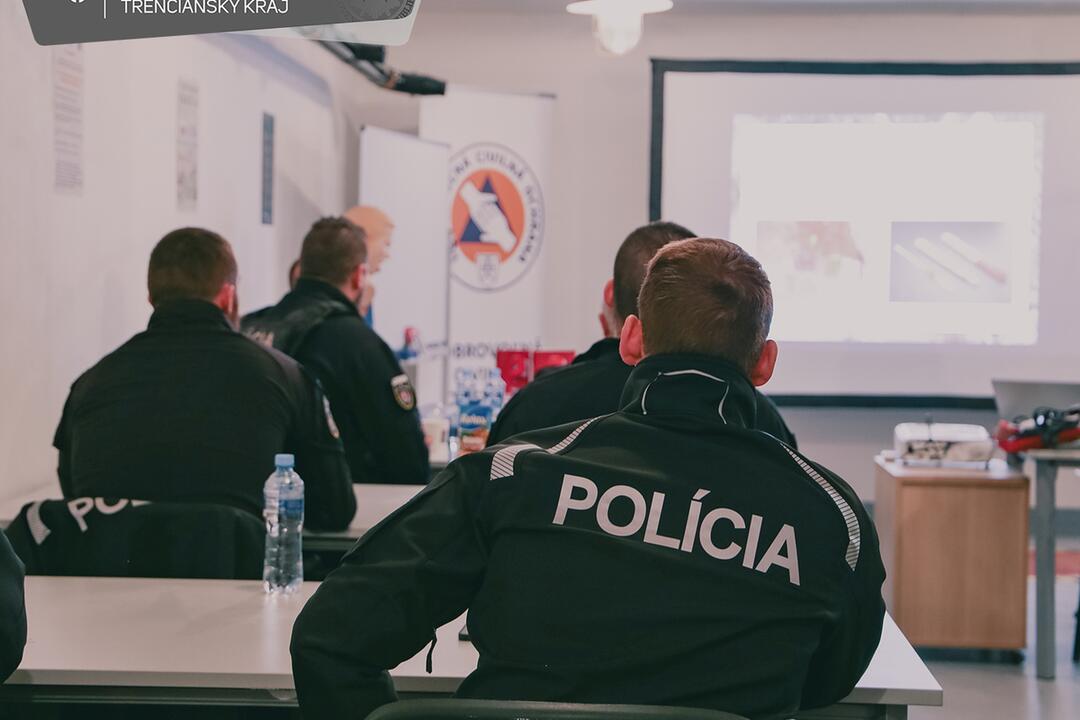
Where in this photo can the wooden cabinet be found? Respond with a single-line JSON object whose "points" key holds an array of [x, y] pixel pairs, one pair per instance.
{"points": [[955, 546]]}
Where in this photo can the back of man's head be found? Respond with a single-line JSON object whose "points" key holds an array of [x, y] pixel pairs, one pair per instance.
{"points": [[634, 254], [190, 264], [708, 297], [332, 250]]}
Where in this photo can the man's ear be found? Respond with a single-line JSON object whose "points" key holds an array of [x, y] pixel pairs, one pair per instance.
{"points": [[227, 301], [609, 324], [631, 343], [766, 363], [226, 298]]}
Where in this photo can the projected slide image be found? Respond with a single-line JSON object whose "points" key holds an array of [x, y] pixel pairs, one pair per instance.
{"points": [[817, 256], [882, 228], [949, 262], [827, 249]]}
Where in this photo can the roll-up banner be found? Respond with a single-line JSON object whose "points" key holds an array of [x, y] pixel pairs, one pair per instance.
{"points": [[500, 166]]}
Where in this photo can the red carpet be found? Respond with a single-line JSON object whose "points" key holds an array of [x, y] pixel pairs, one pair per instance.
{"points": [[1068, 562]]}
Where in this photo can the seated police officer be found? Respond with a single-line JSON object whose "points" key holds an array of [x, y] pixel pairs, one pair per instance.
{"points": [[191, 410], [592, 385], [318, 324], [663, 554], [12, 610]]}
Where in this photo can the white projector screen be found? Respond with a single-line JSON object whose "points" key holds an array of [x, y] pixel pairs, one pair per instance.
{"points": [[919, 223]]}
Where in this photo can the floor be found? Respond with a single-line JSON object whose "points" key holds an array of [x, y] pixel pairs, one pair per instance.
{"points": [[1005, 691]]}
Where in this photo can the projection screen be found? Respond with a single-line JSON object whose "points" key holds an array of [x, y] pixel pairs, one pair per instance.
{"points": [[919, 223]]}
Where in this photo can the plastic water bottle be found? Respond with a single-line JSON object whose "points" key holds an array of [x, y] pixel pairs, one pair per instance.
{"points": [[283, 565]]}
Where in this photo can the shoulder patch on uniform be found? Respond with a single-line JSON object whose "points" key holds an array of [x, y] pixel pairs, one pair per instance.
{"points": [[403, 392], [330, 424]]}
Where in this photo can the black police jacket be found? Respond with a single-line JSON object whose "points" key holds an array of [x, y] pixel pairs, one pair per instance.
{"points": [[192, 411], [120, 537], [372, 400], [663, 554], [592, 385], [12, 610]]}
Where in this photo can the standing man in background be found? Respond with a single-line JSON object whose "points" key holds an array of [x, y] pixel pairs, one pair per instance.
{"points": [[592, 385], [191, 410], [318, 324], [378, 232]]}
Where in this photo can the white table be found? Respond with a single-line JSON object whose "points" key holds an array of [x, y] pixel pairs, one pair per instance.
{"points": [[225, 642], [1047, 464], [373, 503]]}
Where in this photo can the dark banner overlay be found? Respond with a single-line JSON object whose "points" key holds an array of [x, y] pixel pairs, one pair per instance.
{"points": [[56, 22]]}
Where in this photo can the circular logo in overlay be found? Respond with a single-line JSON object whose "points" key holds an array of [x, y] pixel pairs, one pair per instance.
{"points": [[496, 217]]}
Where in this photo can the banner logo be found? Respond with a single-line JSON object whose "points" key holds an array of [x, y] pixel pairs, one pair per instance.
{"points": [[55, 22], [497, 217]]}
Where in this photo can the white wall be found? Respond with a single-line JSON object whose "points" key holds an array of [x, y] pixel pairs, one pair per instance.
{"points": [[602, 118], [75, 264]]}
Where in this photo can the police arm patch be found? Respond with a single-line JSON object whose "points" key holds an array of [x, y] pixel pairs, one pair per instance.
{"points": [[330, 424], [404, 394]]}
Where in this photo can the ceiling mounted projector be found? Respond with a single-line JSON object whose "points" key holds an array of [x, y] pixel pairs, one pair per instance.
{"points": [[618, 24]]}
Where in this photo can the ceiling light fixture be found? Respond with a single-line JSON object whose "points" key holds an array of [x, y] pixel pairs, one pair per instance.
{"points": [[618, 24]]}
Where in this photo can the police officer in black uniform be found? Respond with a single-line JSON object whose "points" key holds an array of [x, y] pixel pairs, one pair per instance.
{"points": [[191, 410], [663, 554], [318, 324], [592, 385], [12, 610]]}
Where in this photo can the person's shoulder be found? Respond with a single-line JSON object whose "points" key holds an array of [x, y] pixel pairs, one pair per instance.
{"points": [[270, 357], [583, 373], [770, 420], [256, 314], [351, 327], [351, 335], [263, 359], [555, 440], [833, 492], [115, 361]]}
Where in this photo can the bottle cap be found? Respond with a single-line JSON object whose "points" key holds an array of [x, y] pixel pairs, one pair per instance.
{"points": [[284, 460]]}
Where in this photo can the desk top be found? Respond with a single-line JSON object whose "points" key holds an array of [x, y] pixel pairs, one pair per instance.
{"points": [[1068, 456], [124, 632], [373, 503], [997, 472]]}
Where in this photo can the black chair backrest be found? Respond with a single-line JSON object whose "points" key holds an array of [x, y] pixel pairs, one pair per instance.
{"points": [[457, 709], [130, 538]]}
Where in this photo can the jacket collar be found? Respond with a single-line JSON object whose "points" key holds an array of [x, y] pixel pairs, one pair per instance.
{"points": [[309, 287], [188, 313], [605, 349], [704, 387]]}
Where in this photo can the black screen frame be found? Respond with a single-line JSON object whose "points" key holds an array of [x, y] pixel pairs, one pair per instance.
{"points": [[662, 66]]}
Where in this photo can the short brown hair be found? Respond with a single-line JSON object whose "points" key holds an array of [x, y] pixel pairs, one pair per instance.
{"points": [[332, 250], [708, 297], [634, 254], [190, 264]]}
